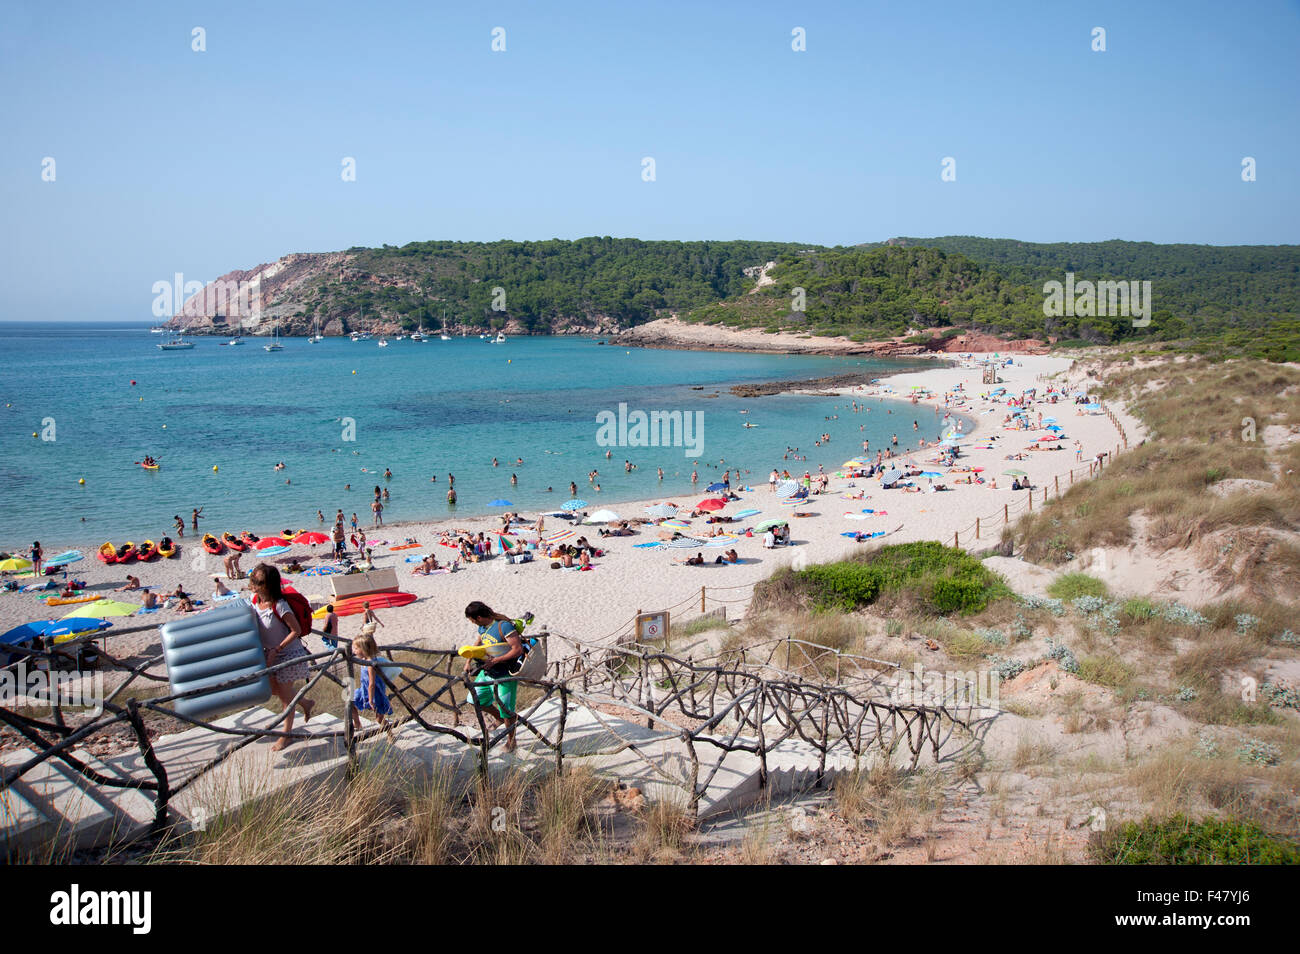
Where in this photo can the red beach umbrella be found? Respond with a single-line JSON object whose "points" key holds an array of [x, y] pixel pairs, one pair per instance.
{"points": [[712, 503], [312, 538], [267, 542]]}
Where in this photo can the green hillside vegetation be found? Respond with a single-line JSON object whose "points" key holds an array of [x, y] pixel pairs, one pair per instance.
{"points": [[1219, 300], [1244, 299], [545, 283]]}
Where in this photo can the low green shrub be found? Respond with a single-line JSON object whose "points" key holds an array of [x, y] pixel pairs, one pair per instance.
{"points": [[1070, 586], [1178, 840]]}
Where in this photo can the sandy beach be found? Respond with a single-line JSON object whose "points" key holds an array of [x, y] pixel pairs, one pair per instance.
{"points": [[599, 604]]}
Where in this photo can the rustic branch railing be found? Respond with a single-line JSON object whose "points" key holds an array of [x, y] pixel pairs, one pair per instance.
{"points": [[750, 700]]}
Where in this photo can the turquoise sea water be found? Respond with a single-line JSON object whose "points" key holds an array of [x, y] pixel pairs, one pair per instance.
{"points": [[421, 409]]}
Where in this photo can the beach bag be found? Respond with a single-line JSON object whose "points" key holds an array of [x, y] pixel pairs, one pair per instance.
{"points": [[534, 662]]}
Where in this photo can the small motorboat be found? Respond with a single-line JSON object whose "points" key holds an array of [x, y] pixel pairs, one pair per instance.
{"points": [[212, 544], [147, 551]]}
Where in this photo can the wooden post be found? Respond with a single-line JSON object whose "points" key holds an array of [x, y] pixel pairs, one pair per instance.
{"points": [[701, 599], [349, 741], [977, 528], [955, 544], [1057, 480], [1044, 496], [1071, 476], [1006, 517], [1031, 500]]}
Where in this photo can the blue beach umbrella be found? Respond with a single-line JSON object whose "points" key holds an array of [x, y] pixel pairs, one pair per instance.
{"points": [[574, 504], [715, 486], [65, 558], [787, 488], [500, 503]]}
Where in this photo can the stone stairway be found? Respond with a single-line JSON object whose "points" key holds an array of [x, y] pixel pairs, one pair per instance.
{"points": [[54, 804]]}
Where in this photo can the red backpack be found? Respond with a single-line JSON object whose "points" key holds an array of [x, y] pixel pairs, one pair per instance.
{"points": [[299, 605]]}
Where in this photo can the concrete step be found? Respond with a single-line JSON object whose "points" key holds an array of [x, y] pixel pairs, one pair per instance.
{"points": [[252, 773], [53, 808]]}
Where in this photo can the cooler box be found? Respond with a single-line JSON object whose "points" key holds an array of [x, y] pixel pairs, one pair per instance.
{"points": [[360, 584], [212, 648]]}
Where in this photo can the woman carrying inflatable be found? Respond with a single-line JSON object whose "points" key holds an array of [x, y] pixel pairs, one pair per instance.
{"points": [[489, 693]]}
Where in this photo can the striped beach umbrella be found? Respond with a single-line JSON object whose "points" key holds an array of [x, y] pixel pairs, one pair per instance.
{"points": [[560, 536], [684, 543], [676, 524], [787, 488], [661, 510]]}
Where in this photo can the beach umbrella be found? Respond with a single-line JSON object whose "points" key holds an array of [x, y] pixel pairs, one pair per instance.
{"points": [[1049, 420], [1092, 407], [24, 633], [65, 558], [769, 524], [574, 504], [661, 510], [311, 538], [725, 540], [603, 516], [68, 629], [1014, 473], [267, 542], [893, 477], [276, 551], [711, 503], [14, 563], [931, 474], [676, 524], [500, 503], [787, 488], [1050, 437], [746, 513], [853, 463], [101, 608], [715, 487], [561, 535], [682, 543]]}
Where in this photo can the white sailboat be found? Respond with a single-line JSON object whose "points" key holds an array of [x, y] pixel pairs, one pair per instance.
{"points": [[275, 340], [316, 335], [500, 338], [444, 336]]}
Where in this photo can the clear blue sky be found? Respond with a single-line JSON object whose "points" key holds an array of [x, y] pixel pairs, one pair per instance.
{"points": [[171, 161]]}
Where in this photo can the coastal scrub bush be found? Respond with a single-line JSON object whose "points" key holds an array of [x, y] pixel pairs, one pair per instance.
{"points": [[1177, 840], [1178, 613], [1053, 606], [1258, 752], [1071, 586], [1065, 659], [1105, 670], [941, 579]]}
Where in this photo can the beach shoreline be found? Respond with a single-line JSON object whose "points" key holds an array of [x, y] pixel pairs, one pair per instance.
{"points": [[598, 604]]}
